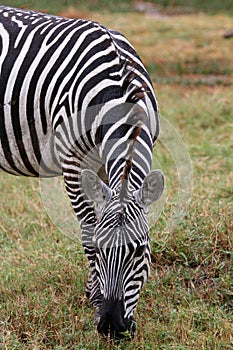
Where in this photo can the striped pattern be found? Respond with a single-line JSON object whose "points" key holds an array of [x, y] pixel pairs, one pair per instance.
{"points": [[75, 95], [125, 250]]}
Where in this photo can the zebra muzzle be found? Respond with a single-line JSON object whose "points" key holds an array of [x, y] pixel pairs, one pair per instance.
{"points": [[112, 321]]}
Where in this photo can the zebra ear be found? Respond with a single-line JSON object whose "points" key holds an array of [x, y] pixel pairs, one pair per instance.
{"points": [[152, 188], [94, 188]]}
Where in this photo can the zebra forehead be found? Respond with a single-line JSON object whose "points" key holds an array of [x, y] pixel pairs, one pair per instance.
{"points": [[117, 229], [119, 208], [119, 244]]}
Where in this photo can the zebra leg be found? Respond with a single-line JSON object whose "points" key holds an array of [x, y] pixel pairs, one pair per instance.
{"points": [[89, 284], [92, 286], [85, 213]]}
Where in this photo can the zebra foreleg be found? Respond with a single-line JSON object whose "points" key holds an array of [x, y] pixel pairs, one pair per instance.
{"points": [[92, 286], [86, 215]]}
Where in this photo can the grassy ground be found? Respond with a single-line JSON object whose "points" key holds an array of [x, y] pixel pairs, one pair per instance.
{"points": [[187, 303]]}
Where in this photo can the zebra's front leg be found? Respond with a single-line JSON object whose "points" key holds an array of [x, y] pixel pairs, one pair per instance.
{"points": [[86, 215], [92, 286]]}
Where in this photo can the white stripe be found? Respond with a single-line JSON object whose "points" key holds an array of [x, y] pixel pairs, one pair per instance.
{"points": [[5, 45]]}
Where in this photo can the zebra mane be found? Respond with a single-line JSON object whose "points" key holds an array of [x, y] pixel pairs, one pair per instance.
{"points": [[132, 75], [124, 180], [124, 186], [137, 118]]}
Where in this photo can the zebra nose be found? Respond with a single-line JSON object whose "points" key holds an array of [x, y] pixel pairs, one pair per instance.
{"points": [[112, 319]]}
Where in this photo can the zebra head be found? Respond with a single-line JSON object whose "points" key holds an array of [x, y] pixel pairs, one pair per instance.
{"points": [[121, 241]]}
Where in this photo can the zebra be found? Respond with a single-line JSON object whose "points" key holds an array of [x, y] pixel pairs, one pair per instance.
{"points": [[77, 101]]}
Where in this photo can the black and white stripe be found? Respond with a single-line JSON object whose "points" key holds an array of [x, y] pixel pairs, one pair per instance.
{"points": [[74, 95]]}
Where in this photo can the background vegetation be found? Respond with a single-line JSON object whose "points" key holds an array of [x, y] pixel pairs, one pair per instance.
{"points": [[173, 6], [187, 303]]}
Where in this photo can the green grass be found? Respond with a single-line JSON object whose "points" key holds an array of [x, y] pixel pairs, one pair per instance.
{"points": [[187, 303]]}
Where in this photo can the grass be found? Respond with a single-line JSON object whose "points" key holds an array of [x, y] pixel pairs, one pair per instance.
{"points": [[187, 303]]}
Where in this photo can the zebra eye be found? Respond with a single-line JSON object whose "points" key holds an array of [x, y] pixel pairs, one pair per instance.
{"points": [[140, 250]]}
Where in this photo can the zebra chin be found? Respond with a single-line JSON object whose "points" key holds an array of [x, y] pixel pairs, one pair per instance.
{"points": [[112, 321]]}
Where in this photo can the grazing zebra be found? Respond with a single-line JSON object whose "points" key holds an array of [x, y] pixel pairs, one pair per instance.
{"points": [[76, 100]]}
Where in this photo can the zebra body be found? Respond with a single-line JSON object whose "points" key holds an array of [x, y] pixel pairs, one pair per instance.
{"points": [[74, 96]]}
